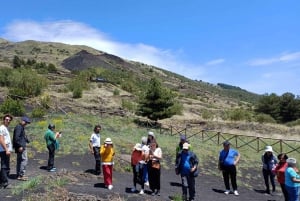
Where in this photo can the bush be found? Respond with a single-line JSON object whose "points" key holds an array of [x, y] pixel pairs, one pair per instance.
{"points": [[38, 112], [14, 107], [264, 118]]}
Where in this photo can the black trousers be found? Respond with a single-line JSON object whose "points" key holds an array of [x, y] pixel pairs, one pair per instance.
{"points": [[188, 183], [229, 172], [153, 177], [51, 149], [97, 159], [5, 163]]}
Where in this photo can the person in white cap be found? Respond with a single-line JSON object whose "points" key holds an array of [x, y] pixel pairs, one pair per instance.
{"points": [[137, 167], [187, 167], [292, 180], [269, 162], [151, 137], [107, 153]]}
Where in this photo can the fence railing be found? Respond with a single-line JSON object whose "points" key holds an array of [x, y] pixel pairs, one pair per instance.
{"points": [[256, 143]]}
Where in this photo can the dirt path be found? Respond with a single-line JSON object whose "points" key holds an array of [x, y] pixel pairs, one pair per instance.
{"points": [[86, 186]]}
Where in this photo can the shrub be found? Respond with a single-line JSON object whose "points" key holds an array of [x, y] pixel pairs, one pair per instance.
{"points": [[38, 112], [264, 118], [14, 107]]}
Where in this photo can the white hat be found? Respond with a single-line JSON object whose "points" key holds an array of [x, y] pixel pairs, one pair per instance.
{"points": [[291, 161], [144, 140], [108, 141], [138, 147], [185, 145], [151, 133], [269, 149]]}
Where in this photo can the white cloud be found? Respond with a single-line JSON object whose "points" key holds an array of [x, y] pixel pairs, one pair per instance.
{"points": [[75, 33], [286, 57], [215, 62]]}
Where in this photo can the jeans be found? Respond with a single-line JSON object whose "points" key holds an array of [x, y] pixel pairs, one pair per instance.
{"points": [[293, 193], [269, 174], [22, 161], [188, 182]]}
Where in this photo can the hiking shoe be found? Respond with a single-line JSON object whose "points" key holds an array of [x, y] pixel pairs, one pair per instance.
{"points": [[133, 190], [227, 192], [142, 192], [52, 170], [110, 187], [6, 186], [236, 192]]}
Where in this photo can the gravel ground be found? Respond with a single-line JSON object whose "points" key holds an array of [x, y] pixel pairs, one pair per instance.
{"points": [[84, 185]]}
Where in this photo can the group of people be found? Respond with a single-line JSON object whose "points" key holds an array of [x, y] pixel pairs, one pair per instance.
{"points": [[18, 144], [146, 167], [286, 171], [145, 162]]}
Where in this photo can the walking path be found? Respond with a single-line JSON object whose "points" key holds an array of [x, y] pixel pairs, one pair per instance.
{"points": [[88, 186]]}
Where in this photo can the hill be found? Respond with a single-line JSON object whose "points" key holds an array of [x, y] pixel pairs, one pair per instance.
{"points": [[202, 101]]}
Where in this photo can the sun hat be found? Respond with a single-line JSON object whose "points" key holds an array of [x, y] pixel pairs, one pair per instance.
{"points": [[185, 145], [151, 133], [108, 141], [138, 147], [226, 143], [144, 140], [26, 119], [291, 161], [269, 149]]}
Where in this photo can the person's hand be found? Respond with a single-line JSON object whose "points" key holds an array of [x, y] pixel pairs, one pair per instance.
{"points": [[193, 169], [20, 149], [7, 152], [57, 134]]}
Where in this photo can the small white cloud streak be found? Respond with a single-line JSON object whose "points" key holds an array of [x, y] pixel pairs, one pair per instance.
{"points": [[215, 62], [75, 33], [287, 57]]}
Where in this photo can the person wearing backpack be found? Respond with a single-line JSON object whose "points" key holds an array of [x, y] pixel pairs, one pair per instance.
{"points": [[187, 166], [20, 141]]}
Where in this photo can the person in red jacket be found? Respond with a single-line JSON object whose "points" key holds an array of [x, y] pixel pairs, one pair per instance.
{"points": [[137, 167], [279, 171]]}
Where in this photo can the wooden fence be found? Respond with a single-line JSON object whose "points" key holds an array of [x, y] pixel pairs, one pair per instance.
{"points": [[255, 143]]}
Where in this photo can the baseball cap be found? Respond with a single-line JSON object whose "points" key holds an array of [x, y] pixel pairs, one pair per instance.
{"points": [[26, 119]]}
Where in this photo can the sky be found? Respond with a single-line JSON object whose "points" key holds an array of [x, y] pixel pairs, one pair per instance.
{"points": [[254, 45]]}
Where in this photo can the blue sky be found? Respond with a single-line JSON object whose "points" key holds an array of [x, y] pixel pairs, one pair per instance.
{"points": [[253, 44]]}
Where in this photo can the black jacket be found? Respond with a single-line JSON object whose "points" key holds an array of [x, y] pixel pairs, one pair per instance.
{"points": [[19, 138]]}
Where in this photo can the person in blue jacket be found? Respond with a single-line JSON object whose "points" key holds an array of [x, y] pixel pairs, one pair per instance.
{"points": [[187, 166]]}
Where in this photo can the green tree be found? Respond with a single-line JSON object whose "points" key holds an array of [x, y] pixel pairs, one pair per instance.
{"points": [[269, 105], [288, 108], [158, 102]]}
